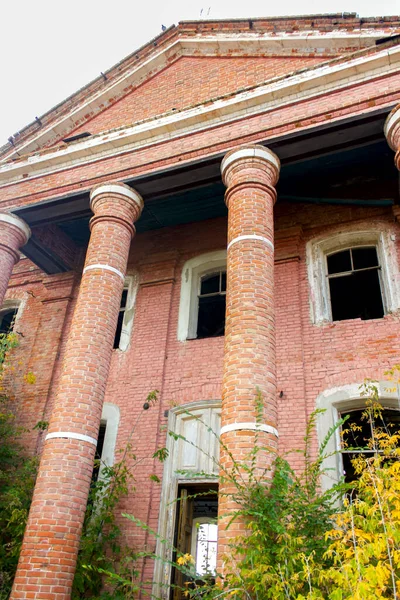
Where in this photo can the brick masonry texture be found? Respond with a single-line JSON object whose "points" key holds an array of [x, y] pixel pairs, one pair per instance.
{"points": [[249, 354], [67, 321], [52, 535]]}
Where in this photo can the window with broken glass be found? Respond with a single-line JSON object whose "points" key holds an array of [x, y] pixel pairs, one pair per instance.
{"points": [[121, 316], [212, 302], [354, 284], [358, 435], [7, 318]]}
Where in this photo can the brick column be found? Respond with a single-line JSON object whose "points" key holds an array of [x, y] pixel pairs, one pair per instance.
{"points": [[48, 557], [250, 173], [392, 133], [14, 233]]}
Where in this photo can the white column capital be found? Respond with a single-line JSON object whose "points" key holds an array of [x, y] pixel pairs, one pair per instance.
{"points": [[392, 128], [119, 188], [253, 151], [17, 222]]}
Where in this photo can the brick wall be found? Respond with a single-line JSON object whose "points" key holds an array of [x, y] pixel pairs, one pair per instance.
{"points": [[188, 371]]}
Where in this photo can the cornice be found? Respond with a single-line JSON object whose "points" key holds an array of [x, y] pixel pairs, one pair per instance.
{"points": [[297, 43], [332, 76]]}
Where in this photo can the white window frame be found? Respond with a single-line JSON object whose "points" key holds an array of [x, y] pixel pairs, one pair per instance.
{"points": [[11, 304], [200, 521], [192, 272], [132, 285], [317, 251], [209, 412], [110, 417], [335, 402]]}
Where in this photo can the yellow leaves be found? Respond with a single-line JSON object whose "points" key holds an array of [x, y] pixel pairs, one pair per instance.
{"points": [[30, 378], [185, 559]]}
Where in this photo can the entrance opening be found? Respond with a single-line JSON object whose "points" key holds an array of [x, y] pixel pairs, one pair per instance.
{"points": [[195, 533]]}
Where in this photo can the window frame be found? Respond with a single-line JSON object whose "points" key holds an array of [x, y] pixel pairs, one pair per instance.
{"points": [[208, 412], [317, 251], [131, 284], [12, 304], [336, 402], [201, 521], [193, 270]]}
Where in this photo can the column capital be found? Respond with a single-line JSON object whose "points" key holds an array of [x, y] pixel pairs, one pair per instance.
{"points": [[17, 225], [251, 156], [116, 201], [392, 128]]}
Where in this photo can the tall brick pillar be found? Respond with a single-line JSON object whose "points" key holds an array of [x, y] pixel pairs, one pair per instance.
{"points": [[250, 173], [48, 557], [392, 133], [14, 233]]}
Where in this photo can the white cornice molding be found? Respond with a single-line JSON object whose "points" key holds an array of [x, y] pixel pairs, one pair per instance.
{"points": [[217, 44], [277, 93]]}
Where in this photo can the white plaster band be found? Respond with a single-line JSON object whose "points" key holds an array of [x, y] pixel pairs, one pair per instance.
{"points": [[17, 222], [251, 237], [107, 268], [117, 188], [249, 427], [71, 435], [258, 152]]}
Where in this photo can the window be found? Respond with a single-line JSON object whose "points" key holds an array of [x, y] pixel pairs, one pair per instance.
{"points": [[354, 284], [203, 295], [7, 318], [126, 313], [8, 314], [212, 302], [346, 400], [357, 435], [204, 544], [99, 450], [353, 275], [188, 500]]}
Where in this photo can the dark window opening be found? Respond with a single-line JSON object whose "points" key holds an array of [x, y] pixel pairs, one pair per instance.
{"points": [[195, 532], [99, 451], [121, 317], [7, 319], [212, 303], [354, 284], [357, 435]]}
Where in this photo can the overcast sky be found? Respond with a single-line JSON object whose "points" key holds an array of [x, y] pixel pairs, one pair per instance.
{"points": [[49, 49]]}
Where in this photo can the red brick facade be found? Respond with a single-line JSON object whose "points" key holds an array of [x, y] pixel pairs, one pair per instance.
{"points": [[275, 98]]}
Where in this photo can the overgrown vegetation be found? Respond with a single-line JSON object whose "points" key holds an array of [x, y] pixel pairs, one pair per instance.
{"points": [[301, 543]]}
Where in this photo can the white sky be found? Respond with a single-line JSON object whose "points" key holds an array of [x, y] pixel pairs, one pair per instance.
{"points": [[49, 48]]}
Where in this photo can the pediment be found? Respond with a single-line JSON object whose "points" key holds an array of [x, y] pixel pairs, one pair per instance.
{"points": [[194, 64]]}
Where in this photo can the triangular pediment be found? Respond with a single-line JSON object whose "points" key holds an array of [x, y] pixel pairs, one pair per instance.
{"points": [[194, 64]]}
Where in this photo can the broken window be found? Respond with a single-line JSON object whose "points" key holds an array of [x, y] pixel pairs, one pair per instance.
{"points": [[99, 451], [126, 312], [7, 318], [354, 284], [212, 302], [121, 316], [357, 436]]}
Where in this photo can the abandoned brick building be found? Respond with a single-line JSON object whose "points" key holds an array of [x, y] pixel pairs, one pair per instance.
{"points": [[217, 213]]}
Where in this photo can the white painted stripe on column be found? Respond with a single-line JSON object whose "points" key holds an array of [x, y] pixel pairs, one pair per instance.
{"points": [[107, 268], [72, 436], [258, 152], [251, 426], [252, 236]]}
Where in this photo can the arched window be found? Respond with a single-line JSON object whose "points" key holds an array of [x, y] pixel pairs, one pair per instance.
{"points": [[353, 275], [347, 401], [8, 314], [203, 294], [126, 312]]}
